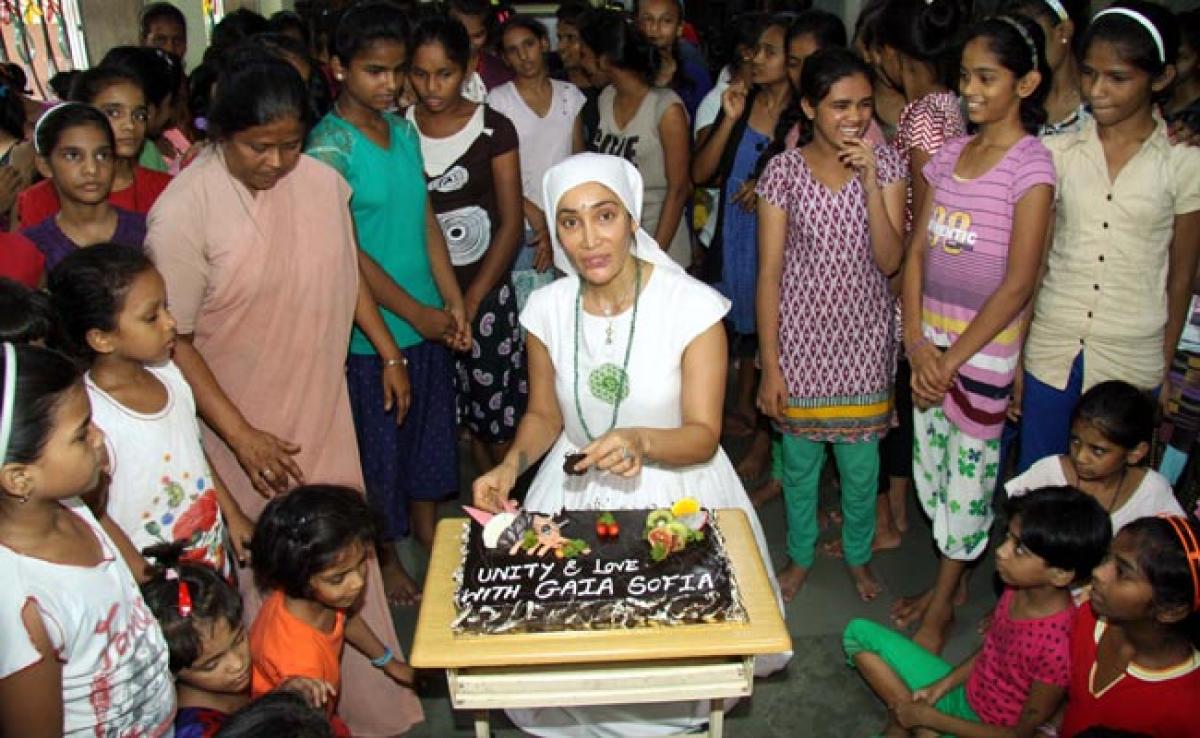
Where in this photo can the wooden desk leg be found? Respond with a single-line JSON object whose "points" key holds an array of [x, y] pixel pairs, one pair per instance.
{"points": [[716, 718], [483, 726]]}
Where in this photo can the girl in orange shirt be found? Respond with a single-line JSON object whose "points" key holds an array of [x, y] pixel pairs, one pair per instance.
{"points": [[310, 551]]}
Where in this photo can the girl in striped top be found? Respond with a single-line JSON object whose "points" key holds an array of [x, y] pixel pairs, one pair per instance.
{"points": [[976, 250]]}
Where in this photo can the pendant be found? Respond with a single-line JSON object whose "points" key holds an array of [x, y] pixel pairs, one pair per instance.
{"points": [[608, 334], [609, 383]]}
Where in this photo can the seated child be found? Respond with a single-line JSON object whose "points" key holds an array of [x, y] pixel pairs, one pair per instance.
{"points": [[1017, 679], [1134, 659], [1112, 426], [113, 307], [309, 552], [80, 654], [201, 618]]}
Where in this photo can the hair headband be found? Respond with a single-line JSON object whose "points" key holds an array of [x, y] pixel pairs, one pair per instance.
{"points": [[1058, 9], [10, 392], [1191, 550], [1144, 22], [1033, 51], [37, 127]]}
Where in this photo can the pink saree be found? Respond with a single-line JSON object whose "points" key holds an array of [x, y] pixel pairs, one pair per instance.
{"points": [[267, 284]]}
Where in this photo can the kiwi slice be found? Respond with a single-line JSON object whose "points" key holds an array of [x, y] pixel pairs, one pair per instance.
{"points": [[679, 530], [659, 517]]}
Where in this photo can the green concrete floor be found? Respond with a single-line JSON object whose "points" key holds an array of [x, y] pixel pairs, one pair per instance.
{"points": [[817, 695]]}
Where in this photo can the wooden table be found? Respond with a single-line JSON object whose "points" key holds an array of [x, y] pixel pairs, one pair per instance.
{"points": [[686, 662]]}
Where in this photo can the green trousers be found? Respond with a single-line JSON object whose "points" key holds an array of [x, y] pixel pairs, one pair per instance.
{"points": [[858, 467]]}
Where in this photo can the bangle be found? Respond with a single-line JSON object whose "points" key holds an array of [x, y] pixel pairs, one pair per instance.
{"points": [[395, 362], [910, 350], [384, 659]]}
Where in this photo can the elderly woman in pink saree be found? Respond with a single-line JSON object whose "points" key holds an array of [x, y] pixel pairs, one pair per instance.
{"points": [[256, 245]]}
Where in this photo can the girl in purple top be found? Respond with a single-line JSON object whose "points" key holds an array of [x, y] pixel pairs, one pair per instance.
{"points": [[75, 150], [977, 247]]}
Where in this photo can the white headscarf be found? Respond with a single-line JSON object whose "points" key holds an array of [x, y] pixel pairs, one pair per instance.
{"points": [[625, 182]]}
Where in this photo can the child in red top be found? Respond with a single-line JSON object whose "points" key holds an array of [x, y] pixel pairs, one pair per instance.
{"points": [[20, 260], [1017, 680], [310, 549], [117, 94], [1134, 663]]}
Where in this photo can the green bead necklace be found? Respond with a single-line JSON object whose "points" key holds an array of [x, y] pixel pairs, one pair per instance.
{"points": [[606, 375]]}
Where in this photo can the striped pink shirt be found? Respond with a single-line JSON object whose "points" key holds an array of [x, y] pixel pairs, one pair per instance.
{"points": [[966, 260]]}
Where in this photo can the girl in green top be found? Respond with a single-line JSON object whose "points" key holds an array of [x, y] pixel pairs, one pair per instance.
{"points": [[409, 460]]}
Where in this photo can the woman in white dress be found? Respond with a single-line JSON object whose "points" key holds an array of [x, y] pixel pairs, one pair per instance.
{"points": [[627, 364]]}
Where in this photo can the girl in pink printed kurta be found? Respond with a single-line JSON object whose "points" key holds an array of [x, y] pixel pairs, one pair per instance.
{"points": [[829, 238], [262, 278], [976, 252]]}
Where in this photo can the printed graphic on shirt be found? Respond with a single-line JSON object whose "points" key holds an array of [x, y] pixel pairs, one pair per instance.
{"points": [[951, 231], [132, 644], [467, 230], [611, 143], [186, 509]]}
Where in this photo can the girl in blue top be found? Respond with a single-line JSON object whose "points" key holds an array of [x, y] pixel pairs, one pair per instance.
{"points": [[409, 460]]}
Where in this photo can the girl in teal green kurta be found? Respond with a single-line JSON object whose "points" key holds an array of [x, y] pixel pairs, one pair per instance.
{"points": [[409, 460]]}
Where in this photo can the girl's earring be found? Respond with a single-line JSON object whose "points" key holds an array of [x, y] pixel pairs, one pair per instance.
{"points": [[24, 499]]}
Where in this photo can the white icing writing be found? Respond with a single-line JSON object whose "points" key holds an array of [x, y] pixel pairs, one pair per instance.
{"points": [[676, 583]]}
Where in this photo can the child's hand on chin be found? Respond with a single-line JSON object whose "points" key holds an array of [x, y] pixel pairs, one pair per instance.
{"points": [[316, 692]]}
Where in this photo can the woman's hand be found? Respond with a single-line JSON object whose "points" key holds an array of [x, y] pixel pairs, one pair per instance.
{"points": [[397, 391], [543, 255], [490, 491], [402, 674], [1018, 393], [733, 100], [461, 338], [316, 692], [267, 460], [620, 451], [930, 379], [772, 394], [434, 324], [240, 528], [747, 197], [860, 156]]}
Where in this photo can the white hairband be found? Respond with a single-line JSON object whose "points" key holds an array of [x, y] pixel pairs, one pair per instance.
{"points": [[1058, 9], [1020, 29], [1144, 22], [10, 391]]}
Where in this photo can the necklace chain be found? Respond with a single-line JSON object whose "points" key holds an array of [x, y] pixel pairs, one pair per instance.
{"points": [[624, 378]]}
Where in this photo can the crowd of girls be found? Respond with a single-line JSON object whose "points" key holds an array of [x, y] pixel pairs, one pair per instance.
{"points": [[249, 314]]}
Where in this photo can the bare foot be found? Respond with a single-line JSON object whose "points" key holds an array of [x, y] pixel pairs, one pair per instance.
{"points": [[907, 611], [399, 586], [791, 580], [766, 492], [882, 542], [865, 582], [826, 518]]}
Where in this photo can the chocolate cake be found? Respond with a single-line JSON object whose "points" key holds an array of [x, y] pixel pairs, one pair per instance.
{"points": [[509, 583]]}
